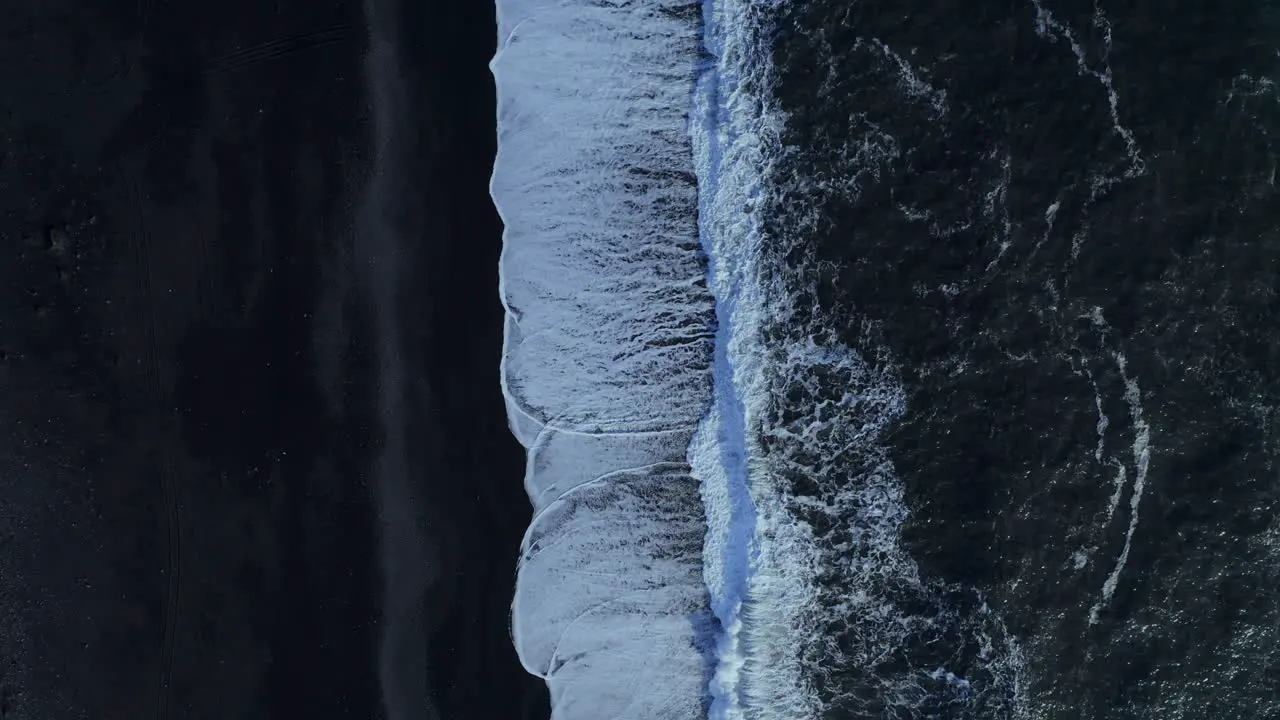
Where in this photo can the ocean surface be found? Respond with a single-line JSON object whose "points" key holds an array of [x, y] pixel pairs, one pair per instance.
{"points": [[893, 360]]}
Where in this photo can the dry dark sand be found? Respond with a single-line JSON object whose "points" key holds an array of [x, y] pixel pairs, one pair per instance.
{"points": [[193, 399]]}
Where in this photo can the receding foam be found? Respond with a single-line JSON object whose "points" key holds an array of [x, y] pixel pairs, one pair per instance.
{"points": [[609, 324], [608, 343], [610, 607]]}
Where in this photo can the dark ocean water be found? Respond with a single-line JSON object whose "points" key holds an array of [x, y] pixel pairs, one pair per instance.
{"points": [[1058, 222]]}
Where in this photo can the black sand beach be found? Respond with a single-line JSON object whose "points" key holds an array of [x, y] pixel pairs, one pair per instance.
{"points": [[193, 405]]}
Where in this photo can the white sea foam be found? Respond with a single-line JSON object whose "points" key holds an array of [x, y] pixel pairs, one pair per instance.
{"points": [[1141, 464], [560, 461], [608, 319], [609, 606], [748, 537], [817, 597], [608, 342], [763, 561]]}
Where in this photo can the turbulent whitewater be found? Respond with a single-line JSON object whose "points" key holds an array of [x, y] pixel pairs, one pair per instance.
{"points": [[716, 521]]}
